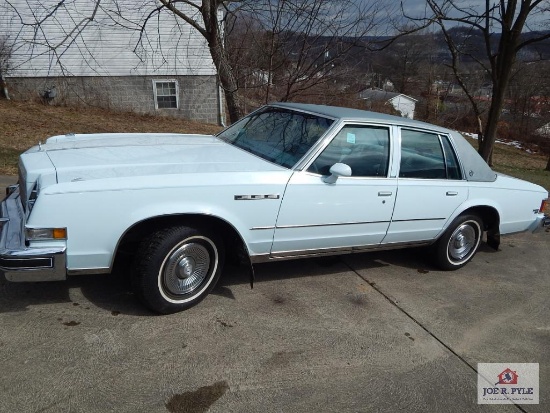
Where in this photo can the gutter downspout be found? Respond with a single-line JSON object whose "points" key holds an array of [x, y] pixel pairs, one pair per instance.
{"points": [[4, 86], [221, 111]]}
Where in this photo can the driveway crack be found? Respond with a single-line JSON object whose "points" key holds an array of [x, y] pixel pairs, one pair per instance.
{"points": [[418, 323]]}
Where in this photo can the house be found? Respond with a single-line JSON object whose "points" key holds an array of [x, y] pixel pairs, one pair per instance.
{"points": [[402, 103], [543, 131], [111, 53]]}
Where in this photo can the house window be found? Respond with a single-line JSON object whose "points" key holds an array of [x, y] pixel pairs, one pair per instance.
{"points": [[166, 94]]}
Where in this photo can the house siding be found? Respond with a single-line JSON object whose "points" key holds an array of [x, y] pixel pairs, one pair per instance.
{"points": [[404, 105]]}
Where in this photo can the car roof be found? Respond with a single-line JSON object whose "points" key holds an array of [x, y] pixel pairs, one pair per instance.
{"points": [[349, 114]]}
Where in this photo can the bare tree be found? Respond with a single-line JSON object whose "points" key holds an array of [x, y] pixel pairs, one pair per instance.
{"points": [[209, 22], [302, 43], [500, 25], [405, 59], [5, 62], [290, 49]]}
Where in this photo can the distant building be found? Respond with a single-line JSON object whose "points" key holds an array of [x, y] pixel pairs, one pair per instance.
{"points": [[443, 88], [544, 131], [108, 60], [404, 104]]}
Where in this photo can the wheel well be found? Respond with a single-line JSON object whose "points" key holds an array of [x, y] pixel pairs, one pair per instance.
{"points": [[233, 242], [491, 223], [488, 215]]}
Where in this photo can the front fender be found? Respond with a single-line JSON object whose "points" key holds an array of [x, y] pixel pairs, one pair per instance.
{"points": [[97, 219]]}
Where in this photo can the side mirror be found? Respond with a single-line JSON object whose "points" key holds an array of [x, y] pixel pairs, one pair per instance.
{"points": [[337, 170]]}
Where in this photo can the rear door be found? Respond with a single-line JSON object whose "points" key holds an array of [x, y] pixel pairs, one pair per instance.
{"points": [[430, 186]]}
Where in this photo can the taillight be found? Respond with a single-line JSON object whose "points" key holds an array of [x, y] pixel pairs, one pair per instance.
{"points": [[545, 207]]}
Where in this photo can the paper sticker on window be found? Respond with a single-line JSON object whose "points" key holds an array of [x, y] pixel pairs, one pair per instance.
{"points": [[351, 137]]}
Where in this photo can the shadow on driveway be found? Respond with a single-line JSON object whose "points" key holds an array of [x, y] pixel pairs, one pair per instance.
{"points": [[112, 292]]}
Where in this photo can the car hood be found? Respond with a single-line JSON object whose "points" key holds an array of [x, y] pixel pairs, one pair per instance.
{"points": [[86, 157]]}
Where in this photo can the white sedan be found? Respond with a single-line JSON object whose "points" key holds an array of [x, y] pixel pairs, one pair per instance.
{"points": [[285, 182]]}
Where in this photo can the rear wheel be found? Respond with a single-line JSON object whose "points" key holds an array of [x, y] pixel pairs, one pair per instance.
{"points": [[459, 242], [175, 268]]}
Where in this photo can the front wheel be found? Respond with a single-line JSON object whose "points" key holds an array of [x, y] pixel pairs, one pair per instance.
{"points": [[175, 268], [459, 242]]}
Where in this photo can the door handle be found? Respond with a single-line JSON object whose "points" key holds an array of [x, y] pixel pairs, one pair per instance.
{"points": [[452, 193], [384, 193]]}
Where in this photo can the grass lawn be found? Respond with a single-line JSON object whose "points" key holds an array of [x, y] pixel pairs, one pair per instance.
{"points": [[24, 124], [516, 162]]}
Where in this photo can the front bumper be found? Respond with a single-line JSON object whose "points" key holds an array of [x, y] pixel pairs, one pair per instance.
{"points": [[18, 262]]}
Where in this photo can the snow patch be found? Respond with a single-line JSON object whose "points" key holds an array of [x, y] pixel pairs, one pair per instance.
{"points": [[515, 144]]}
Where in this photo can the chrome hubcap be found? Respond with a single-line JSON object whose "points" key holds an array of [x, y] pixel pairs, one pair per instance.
{"points": [[462, 242], [186, 268]]}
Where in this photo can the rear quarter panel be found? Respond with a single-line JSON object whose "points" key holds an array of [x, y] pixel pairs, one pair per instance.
{"points": [[516, 201]]}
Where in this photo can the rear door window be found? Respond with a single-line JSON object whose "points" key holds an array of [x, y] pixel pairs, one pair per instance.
{"points": [[421, 155]]}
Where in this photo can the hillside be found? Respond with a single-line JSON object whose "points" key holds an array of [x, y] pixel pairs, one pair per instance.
{"points": [[24, 124]]}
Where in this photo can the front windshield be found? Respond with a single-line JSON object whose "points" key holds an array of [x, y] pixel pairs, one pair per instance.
{"points": [[277, 135]]}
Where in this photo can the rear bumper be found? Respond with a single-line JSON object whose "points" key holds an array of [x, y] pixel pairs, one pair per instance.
{"points": [[541, 223], [18, 262]]}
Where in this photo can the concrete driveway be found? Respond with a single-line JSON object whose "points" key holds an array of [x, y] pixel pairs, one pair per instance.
{"points": [[369, 332]]}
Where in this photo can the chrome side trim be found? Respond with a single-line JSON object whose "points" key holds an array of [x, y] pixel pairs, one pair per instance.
{"points": [[290, 255], [332, 224], [419, 219], [88, 271], [255, 197]]}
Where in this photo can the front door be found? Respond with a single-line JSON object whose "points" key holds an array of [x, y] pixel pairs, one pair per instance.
{"points": [[354, 211]]}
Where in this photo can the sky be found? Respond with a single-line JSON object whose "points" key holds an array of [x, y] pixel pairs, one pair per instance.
{"points": [[388, 13], [538, 21]]}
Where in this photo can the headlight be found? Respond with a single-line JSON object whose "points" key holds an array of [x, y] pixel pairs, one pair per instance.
{"points": [[37, 234]]}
